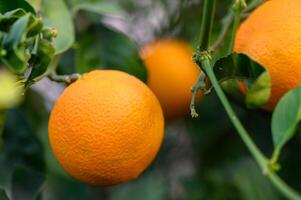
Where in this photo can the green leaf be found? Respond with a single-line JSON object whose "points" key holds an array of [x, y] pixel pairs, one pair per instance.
{"points": [[286, 118], [240, 67], [41, 61], [34, 25], [8, 5], [21, 160], [58, 16], [99, 7], [8, 18], [16, 34], [17, 55], [105, 48], [61, 188], [231, 87], [3, 195], [26, 183], [21, 146], [151, 185], [259, 92]]}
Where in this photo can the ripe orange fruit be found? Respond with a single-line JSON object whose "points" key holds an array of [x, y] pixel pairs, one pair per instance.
{"points": [[271, 35], [106, 128], [171, 74]]}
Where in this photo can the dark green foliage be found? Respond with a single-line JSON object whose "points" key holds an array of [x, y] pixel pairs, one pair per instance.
{"points": [[100, 47]]}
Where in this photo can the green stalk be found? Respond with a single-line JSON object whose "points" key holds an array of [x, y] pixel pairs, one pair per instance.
{"points": [[204, 42], [226, 24], [207, 24], [203, 58], [262, 161], [228, 19], [253, 4], [2, 123], [257, 154], [237, 8]]}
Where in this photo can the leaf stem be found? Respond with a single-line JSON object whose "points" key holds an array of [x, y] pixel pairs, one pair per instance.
{"points": [[275, 158], [254, 150]]}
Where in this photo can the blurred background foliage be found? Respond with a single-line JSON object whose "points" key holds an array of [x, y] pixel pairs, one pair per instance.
{"points": [[200, 158]]}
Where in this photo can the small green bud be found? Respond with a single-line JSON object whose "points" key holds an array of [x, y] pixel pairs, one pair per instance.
{"points": [[3, 52], [49, 33]]}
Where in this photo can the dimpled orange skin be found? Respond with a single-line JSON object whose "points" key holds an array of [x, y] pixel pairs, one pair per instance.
{"points": [[106, 128], [171, 74], [271, 35]]}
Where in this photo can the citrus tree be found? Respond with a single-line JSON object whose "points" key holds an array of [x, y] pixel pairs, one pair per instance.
{"points": [[89, 100]]}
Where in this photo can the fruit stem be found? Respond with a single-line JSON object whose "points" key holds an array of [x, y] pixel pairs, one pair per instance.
{"points": [[207, 24], [52, 74], [262, 161], [237, 8], [64, 78]]}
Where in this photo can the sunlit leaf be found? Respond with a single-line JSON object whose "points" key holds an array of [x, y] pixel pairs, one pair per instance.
{"points": [[286, 118], [233, 88], [57, 15], [259, 92], [11, 92]]}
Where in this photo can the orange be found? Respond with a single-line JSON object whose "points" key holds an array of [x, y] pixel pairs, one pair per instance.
{"points": [[171, 74], [271, 35], [106, 128]]}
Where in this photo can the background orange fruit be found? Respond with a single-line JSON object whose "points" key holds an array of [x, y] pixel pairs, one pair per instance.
{"points": [[171, 74], [106, 127], [271, 35]]}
